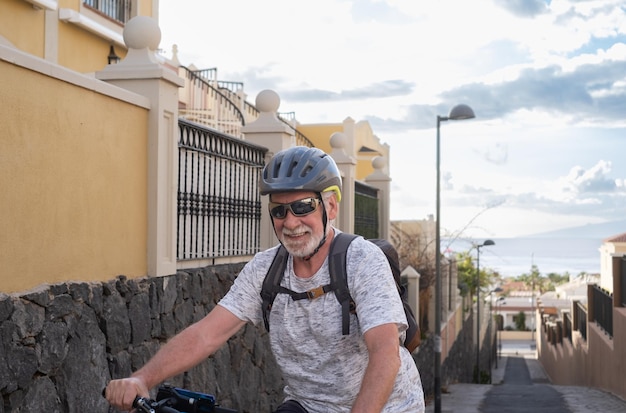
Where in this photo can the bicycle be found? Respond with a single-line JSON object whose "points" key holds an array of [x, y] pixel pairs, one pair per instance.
{"points": [[172, 399]]}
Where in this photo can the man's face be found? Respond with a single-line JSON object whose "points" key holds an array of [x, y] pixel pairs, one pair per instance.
{"points": [[299, 234]]}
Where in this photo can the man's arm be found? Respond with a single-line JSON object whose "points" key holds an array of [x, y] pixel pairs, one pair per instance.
{"points": [[382, 368], [182, 352]]}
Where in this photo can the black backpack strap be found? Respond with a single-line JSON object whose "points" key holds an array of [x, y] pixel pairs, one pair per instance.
{"points": [[338, 276], [271, 283]]}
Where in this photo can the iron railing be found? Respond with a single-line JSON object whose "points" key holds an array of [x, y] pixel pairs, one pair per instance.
{"points": [[603, 309], [203, 102], [567, 326], [580, 319], [623, 281], [555, 332], [221, 104], [219, 206], [366, 210], [119, 10]]}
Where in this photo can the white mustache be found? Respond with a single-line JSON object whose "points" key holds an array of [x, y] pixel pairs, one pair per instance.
{"points": [[296, 231]]}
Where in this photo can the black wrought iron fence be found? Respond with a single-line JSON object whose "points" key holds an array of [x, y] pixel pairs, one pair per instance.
{"points": [[603, 309], [219, 206]]}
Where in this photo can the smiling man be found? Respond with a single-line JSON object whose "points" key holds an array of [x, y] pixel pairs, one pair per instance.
{"points": [[366, 370]]}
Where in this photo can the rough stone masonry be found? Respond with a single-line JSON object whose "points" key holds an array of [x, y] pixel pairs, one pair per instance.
{"points": [[60, 344]]}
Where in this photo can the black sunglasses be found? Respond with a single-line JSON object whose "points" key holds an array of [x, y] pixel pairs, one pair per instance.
{"points": [[299, 208]]}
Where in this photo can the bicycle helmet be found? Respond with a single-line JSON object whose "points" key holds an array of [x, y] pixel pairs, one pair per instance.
{"points": [[301, 169]]}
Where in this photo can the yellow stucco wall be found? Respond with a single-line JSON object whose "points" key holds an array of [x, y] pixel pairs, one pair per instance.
{"points": [[320, 135], [366, 138], [26, 28], [23, 26], [73, 180], [83, 51]]}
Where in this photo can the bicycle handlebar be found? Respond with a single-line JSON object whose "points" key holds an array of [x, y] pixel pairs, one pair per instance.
{"points": [[175, 400], [144, 405]]}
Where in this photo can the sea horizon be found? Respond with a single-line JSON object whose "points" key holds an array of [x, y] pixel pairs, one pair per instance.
{"points": [[511, 257]]}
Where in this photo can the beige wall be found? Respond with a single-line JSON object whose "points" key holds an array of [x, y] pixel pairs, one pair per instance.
{"points": [[73, 179], [598, 362], [83, 51], [320, 135], [23, 26], [34, 30]]}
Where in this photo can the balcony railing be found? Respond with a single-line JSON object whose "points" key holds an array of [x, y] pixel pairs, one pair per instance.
{"points": [[118, 10], [221, 105]]}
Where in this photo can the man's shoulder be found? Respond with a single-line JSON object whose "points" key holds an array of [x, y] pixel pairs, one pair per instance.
{"points": [[359, 243], [263, 259]]}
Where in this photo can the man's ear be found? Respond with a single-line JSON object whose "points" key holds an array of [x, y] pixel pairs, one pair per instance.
{"points": [[332, 208]]}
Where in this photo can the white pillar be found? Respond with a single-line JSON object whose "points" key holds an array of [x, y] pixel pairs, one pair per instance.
{"points": [[347, 167], [268, 131], [413, 278], [140, 72]]}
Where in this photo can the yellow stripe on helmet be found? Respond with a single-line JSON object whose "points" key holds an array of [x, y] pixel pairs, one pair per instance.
{"points": [[335, 189]]}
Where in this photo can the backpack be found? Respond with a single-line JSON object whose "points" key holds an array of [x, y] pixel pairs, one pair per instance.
{"points": [[338, 284]]}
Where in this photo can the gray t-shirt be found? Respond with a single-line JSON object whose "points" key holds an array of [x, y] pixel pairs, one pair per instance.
{"points": [[322, 368]]}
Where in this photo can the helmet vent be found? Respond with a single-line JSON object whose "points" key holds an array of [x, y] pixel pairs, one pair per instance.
{"points": [[291, 168], [306, 170]]}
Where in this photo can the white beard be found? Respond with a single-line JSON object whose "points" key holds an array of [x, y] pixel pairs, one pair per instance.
{"points": [[300, 248]]}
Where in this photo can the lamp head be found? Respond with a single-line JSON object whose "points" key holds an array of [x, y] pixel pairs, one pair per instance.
{"points": [[460, 112], [488, 242], [112, 58]]}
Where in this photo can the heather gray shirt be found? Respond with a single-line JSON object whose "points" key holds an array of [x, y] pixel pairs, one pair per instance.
{"points": [[322, 368]]}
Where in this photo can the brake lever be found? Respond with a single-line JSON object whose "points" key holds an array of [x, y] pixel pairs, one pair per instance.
{"points": [[144, 405]]}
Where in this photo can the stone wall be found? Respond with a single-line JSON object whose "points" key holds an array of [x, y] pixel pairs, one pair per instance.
{"points": [[456, 368], [61, 344]]}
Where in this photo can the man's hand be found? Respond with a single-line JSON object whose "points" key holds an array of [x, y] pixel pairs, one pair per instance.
{"points": [[122, 393]]}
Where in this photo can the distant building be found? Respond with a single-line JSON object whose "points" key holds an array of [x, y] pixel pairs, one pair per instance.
{"points": [[614, 246]]}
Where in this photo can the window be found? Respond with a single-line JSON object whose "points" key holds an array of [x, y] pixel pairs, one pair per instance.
{"points": [[118, 10]]}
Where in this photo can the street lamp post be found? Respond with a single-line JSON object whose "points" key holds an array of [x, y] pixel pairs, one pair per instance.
{"points": [[484, 244], [459, 112]]}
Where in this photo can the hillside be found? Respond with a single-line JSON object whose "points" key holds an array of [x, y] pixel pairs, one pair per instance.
{"points": [[600, 231]]}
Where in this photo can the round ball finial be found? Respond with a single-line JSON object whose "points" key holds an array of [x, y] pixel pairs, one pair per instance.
{"points": [[338, 140], [268, 101], [141, 32], [379, 162]]}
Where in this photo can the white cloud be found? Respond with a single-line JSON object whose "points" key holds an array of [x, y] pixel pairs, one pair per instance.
{"points": [[546, 80]]}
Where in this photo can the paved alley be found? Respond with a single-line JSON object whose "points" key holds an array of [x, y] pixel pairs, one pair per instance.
{"points": [[520, 385]]}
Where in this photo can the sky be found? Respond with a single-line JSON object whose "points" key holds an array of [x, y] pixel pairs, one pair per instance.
{"points": [[546, 80]]}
